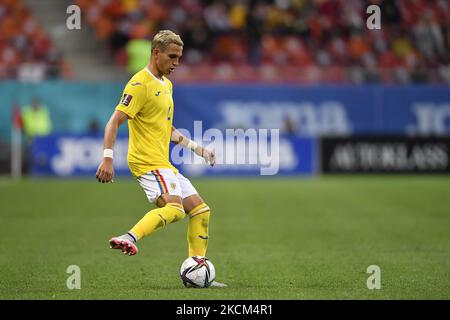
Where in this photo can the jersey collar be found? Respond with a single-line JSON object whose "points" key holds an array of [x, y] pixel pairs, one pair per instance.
{"points": [[160, 81]]}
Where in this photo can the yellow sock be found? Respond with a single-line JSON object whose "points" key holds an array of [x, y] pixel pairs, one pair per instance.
{"points": [[198, 230], [157, 219]]}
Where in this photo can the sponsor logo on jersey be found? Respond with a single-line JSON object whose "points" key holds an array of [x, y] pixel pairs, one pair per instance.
{"points": [[157, 93]]}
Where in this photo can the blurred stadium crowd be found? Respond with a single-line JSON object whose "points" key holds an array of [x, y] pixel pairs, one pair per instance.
{"points": [[301, 41], [26, 51]]}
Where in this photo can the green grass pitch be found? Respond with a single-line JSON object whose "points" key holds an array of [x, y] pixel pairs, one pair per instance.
{"points": [[269, 239]]}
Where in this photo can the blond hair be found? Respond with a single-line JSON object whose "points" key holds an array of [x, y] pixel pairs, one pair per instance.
{"points": [[165, 37]]}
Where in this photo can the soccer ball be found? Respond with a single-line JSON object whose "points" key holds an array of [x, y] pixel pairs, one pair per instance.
{"points": [[197, 272]]}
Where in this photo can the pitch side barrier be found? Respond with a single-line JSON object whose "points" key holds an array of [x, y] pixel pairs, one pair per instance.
{"points": [[385, 154], [80, 155], [304, 110], [283, 120], [75, 155]]}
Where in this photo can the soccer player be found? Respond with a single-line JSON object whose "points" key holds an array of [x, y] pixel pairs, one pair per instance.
{"points": [[148, 106]]}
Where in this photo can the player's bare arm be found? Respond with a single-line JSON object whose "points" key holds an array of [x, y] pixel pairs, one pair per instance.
{"points": [[105, 171], [206, 154]]}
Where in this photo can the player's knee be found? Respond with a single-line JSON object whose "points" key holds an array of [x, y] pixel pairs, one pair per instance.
{"points": [[165, 199], [175, 213]]}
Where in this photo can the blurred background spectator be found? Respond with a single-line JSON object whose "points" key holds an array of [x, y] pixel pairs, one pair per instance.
{"points": [[94, 127], [138, 53], [36, 119]]}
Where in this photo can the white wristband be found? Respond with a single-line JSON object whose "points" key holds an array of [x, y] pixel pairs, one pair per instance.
{"points": [[192, 145], [108, 153]]}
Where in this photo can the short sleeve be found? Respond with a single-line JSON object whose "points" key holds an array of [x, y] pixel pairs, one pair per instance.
{"points": [[133, 98]]}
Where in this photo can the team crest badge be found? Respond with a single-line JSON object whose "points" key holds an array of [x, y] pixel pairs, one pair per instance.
{"points": [[173, 185]]}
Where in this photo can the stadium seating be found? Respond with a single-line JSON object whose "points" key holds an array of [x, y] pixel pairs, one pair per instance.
{"points": [[26, 51], [320, 41], [301, 41]]}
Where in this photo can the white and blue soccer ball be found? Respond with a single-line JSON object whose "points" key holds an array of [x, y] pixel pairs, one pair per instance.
{"points": [[197, 272]]}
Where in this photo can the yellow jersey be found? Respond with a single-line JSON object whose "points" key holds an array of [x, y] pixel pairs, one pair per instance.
{"points": [[148, 103]]}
